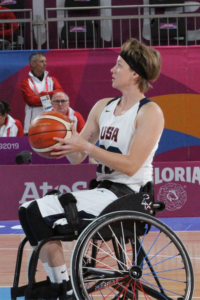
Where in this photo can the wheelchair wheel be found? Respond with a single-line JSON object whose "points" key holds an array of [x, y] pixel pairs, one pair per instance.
{"points": [[130, 255]]}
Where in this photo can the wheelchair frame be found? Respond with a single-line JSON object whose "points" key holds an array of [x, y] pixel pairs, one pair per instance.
{"points": [[114, 258]]}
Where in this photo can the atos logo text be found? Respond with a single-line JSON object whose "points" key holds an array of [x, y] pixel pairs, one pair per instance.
{"points": [[31, 192]]}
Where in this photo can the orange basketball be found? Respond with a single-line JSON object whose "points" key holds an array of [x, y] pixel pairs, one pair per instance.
{"points": [[44, 128]]}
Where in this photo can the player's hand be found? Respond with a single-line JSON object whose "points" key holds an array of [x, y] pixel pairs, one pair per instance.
{"points": [[68, 146]]}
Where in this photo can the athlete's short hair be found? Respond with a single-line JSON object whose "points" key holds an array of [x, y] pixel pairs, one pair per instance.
{"points": [[147, 60]]}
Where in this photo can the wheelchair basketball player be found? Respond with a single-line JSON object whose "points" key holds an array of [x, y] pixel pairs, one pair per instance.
{"points": [[128, 128]]}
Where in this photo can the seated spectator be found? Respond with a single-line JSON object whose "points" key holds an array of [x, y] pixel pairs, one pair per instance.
{"points": [[38, 89], [8, 125], [8, 31], [60, 103]]}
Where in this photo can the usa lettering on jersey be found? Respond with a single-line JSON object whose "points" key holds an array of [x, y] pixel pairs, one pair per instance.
{"points": [[109, 133]]}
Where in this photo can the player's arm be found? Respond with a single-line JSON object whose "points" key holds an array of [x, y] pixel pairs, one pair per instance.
{"points": [[149, 125], [75, 148]]}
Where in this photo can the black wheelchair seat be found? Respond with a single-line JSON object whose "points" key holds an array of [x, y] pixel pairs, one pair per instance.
{"points": [[141, 202]]}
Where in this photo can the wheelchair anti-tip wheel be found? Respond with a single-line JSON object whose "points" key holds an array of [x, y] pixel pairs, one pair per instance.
{"points": [[130, 255]]}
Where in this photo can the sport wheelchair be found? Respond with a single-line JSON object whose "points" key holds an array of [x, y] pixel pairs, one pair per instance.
{"points": [[125, 253]]}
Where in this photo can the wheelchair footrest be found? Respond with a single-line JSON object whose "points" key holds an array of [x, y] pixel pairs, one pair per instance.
{"points": [[43, 289], [21, 290]]}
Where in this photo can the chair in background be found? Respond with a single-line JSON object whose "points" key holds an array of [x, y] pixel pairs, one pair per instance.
{"points": [[18, 38], [18, 35], [5, 45], [164, 28], [80, 34]]}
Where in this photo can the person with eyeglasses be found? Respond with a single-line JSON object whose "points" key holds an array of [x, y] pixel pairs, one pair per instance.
{"points": [[9, 127], [60, 103], [37, 89]]}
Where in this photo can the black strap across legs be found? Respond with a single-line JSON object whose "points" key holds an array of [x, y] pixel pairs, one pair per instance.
{"points": [[68, 202], [119, 189]]}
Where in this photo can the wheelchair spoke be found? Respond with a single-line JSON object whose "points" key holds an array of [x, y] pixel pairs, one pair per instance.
{"points": [[119, 244], [158, 272], [128, 265], [124, 245], [109, 255], [154, 291], [103, 264]]}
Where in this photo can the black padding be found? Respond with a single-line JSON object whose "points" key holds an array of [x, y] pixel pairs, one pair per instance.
{"points": [[69, 232], [66, 198], [141, 202], [93, 184], [68, 202], [26, 227], [119, 189], [37, 224], [148, 188]]}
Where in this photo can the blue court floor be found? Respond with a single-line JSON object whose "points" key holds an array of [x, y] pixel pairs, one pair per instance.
{"points": [[176, 224], [5, 294]]}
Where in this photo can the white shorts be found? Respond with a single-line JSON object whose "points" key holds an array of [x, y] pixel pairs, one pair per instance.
{"points": [[91, 202]]}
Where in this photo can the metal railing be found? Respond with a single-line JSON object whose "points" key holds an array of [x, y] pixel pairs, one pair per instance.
{"points": [[17, 41], [178, 24], [143, 24]]}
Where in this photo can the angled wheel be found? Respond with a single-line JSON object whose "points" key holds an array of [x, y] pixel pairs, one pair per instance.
{"points": [[131, 255]]}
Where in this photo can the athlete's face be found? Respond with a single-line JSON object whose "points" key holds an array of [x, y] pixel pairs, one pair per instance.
{"points": [[60, 103], [122, 75]]}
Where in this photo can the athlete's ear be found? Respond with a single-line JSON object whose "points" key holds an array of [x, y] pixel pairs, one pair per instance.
{"points": [[135, 75]]}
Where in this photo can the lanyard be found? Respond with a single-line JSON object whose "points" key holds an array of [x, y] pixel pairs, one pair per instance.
{"points": [[46, 84], [8, 132]]}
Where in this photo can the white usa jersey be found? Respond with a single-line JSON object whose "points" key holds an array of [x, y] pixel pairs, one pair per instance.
{"points": [[116, 133]]}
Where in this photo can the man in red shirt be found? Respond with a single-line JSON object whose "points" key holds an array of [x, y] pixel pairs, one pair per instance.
{"points": [[60, 103], [38, 89], [7, 30]]}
